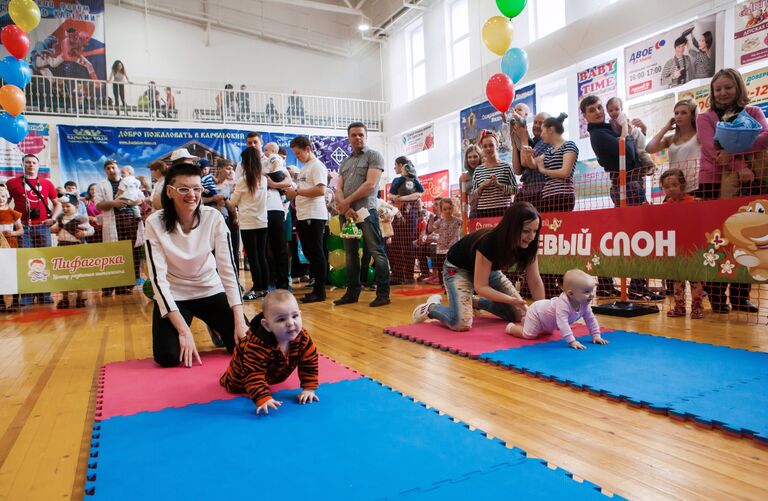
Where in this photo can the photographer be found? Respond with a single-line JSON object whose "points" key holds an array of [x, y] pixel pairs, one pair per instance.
{"points": [[31, 196]]}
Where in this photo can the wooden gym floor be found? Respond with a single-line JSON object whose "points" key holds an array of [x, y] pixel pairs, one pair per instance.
{"points": [[49, 365]]}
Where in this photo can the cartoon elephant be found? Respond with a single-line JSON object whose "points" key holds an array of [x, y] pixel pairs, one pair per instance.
{"points": [[748, 232]]}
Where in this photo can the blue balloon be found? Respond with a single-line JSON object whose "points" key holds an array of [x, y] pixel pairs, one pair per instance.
{"points": [[13, 129], [514, 64], [15, 72]]}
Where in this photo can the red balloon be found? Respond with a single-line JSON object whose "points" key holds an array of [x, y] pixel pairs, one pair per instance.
{"points": [[500, 91], [15, 40]]}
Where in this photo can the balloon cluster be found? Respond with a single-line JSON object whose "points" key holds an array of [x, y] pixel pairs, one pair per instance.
{"points": [[14, 71], [497, 36], [337, 256]]}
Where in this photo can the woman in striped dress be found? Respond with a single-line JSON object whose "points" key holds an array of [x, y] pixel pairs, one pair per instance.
{"points": [[494, 182]]}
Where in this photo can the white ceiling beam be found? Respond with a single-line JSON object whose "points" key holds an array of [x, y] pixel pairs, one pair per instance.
{"points": [[309, 4], [360, 4], [349, 4]]}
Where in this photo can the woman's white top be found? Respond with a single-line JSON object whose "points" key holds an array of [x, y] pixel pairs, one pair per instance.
{"points": [[251, 207], [194, 265]]}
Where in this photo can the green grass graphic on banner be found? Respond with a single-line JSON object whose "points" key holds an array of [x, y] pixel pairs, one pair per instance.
{"points": [[74, 267]]}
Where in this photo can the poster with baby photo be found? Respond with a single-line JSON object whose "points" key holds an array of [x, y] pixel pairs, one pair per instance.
{"points": [[690, 51], [751, 31]]}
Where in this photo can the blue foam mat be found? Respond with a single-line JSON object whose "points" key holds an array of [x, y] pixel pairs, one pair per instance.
{"points": [[362, 441], [712, 384]]}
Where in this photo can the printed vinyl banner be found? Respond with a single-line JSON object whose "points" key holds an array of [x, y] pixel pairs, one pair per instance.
{"points": [[750, 34], [69, 41], [419, 140], [600, 81], [655, 113], [69, 268], [83, 150], [436, 185], [674, 58], [757, 85], [484, 116], [37, 143], [670, 241], [699, 95]]}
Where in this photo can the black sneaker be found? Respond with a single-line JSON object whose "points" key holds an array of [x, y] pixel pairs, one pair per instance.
{"points": [[345, 299], [379, 301], [608, 292], [312, 298], [215, 337], [745, 306], [251, 295]]}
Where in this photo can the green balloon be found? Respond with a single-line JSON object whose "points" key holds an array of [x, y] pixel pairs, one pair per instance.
{"points": [[371, 276], [334, 243], [148, 290], [338, 277], [511, 8]]}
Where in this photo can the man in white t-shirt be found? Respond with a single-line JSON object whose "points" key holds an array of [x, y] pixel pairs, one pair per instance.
{"points": [[311, 213]]}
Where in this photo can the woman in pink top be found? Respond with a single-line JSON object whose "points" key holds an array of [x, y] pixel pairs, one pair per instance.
{"points": [[93, 214], [728, 97]]}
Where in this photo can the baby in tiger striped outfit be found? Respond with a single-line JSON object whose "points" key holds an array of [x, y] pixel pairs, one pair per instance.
{"points": [[275, 346]]}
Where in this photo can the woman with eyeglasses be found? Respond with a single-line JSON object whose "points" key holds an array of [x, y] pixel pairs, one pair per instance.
{"points": [[250, 196], [494, 182], [189, 255]]}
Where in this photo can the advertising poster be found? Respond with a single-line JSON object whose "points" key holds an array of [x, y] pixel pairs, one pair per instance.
{"points": [[36, 143], [418, 140], [674, 58], [69, 268], [750, 36], [484, 116], [599, 80], [655, 114], [436, 185], [670, 241], [699, 95], [83, 150], [757, 85], [69, 41]]}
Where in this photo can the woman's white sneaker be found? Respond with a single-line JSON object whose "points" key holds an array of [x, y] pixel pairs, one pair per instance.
{"points": [[421, 313]]}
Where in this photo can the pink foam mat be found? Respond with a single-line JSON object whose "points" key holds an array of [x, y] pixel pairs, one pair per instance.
{"points": [[487, 335], [141, 385]]}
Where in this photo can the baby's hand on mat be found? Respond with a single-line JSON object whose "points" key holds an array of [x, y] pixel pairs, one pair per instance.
{"points": [[269, 404], [307, 397], [577, 345], [599, 340]]}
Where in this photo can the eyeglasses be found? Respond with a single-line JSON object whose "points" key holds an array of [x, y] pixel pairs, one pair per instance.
{"points": [[185, 190]]}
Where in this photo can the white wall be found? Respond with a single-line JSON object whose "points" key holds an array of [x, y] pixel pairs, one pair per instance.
{"points": [[596, 32], [164, 50]]}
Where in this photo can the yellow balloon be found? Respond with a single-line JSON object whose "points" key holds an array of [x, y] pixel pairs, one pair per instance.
{"points": [[498, 34], [337, 259], [25, 14], [335, 226]]}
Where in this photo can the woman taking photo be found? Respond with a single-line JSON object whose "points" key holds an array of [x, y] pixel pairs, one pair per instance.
{"points": [[476, 264], [682, 143], [189, 256], [250, 198], [723, 175], [405, 193], [494, 182]]}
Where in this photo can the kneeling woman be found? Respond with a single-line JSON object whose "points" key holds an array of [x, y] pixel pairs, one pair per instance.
{"points": [[191, 265], [476, 262]]}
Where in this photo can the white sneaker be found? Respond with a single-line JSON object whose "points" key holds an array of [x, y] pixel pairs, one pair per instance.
{"points": [[421, 313]]}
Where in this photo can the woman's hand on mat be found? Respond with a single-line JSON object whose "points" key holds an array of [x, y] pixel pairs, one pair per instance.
{"points": [[188, 349], [599, 340], [307, 397], [269, 404], [577, 345]]}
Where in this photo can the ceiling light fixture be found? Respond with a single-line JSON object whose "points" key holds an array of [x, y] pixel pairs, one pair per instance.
{"points": [[363, 27]]}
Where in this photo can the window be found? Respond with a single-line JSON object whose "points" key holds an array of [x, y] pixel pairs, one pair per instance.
{"points": [[417, 68], [458, 39], [554, 104], [546, 16], [420, 160], [457, 157]]}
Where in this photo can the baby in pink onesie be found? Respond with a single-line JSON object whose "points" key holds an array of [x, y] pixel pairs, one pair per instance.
{"points": [[545, 316]]}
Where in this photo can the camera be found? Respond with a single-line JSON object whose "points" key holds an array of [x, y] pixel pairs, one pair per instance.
{"points": [[34, 213]]}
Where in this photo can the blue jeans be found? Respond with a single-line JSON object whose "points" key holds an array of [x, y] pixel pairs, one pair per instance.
{"points": [[458, 284], [374, 242]]}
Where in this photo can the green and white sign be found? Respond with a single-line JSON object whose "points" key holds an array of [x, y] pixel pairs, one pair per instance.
{"points": [[73, 267]]}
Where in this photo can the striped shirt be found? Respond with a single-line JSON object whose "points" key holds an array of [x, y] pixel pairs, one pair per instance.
{"points": [[258, 363], [553, 159], [494, 197]]}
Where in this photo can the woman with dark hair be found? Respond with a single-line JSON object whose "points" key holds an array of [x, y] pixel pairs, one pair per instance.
{"points": [[93, 214], [189, 256], [475, 264], [494, 182], [405, 193], [119, 77], [250, 198], [472, 158], [703, 58]]}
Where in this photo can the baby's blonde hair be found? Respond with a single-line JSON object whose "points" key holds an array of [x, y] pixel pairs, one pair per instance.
{"points": [[574, 277], [277, 296], [271, 147], [128, 169]]}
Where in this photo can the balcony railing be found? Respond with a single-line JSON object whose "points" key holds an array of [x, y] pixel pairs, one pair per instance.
{"points": [[96, 99]]}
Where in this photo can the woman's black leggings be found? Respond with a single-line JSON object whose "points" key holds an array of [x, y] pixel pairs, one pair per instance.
{"points": [[278, 247], [255, 245]]}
